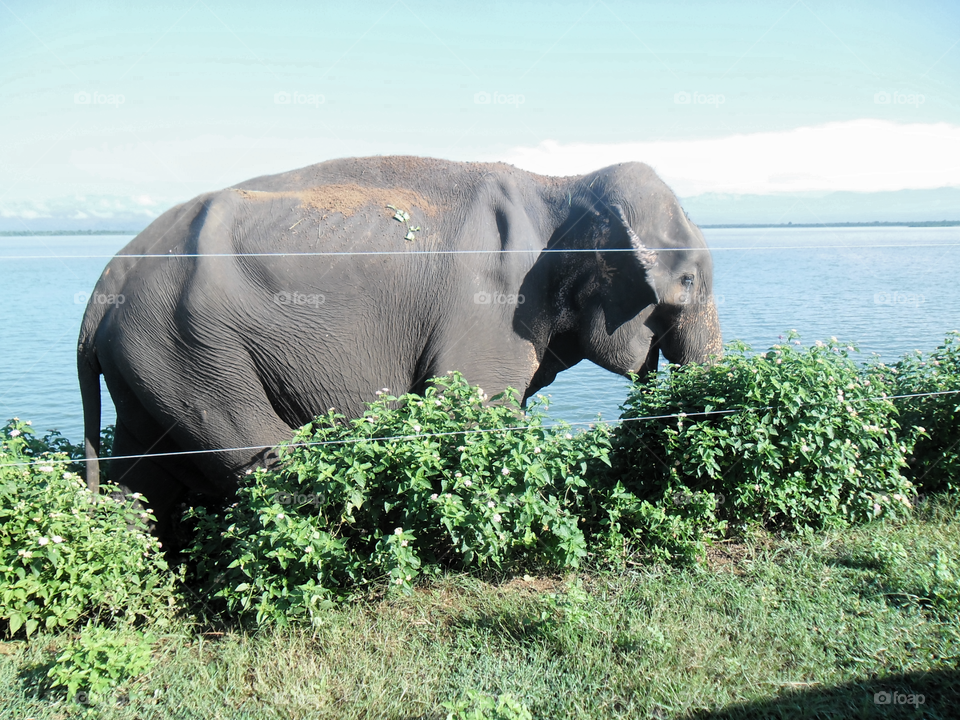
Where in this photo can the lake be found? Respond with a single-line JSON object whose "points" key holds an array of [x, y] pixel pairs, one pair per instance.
{"points": [[890, 290]]}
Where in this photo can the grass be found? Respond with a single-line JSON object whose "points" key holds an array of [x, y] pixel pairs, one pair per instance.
{"points": [[805, 627]]}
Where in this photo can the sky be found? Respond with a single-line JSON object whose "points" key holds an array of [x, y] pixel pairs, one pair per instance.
{"points": [[776, 111]]}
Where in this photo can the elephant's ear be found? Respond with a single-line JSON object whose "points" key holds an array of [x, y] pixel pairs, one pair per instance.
{"points": [[647, 257], [626, 278]]}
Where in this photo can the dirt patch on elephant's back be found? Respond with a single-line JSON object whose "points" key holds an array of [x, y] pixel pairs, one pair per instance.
{"points": [[348, 198]]}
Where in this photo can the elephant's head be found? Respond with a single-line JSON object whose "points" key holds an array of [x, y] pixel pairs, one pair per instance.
{"points": [[631, 276]]}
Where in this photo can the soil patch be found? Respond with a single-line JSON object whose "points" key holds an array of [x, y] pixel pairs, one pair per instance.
{"points": [[728, 557], [347, 199]]}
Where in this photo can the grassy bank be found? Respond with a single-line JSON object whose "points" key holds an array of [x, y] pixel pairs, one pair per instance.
{"points": [[770, 627], [773, 535]]}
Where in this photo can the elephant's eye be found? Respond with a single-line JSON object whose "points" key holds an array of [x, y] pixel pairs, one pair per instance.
{"points": [[687, 281]]}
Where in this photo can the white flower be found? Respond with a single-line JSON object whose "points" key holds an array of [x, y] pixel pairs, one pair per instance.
{"points": [[46, 468], [280, 516], [14, 433], [876, 509], [468, 482], [308, 549], [403, 543], [29, 422], [399, 581], [437, 402], [491, 504], [434, 496], [568, 436], [497, 518], [536, 451], [408, 578], [505, 471], [398, 531], [461, 448], [416, 428], [819, 343], [384, 390], [42, 541], [25, 553], [137, 496]]}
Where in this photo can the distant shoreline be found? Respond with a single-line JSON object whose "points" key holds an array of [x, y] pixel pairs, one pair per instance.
{"points": [[875, 223], [35, 233]]}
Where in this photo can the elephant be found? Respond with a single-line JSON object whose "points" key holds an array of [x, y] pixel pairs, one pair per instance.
{"points": [[249, 311]]}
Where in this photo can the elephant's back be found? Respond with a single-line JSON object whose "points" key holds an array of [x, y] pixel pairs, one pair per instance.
{"points": [[430, 176]]}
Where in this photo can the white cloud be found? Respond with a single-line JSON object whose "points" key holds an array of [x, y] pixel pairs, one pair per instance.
{"points": [[859, 155], [24, 213]]}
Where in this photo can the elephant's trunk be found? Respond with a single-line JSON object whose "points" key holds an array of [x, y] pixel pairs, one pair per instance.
{"points": [[694, 335]]}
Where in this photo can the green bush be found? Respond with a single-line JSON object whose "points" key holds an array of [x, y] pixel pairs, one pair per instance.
{"points": [[934, 465], [480, 706], [99, 660], [415, 485], [65, 559], [799, 439]]}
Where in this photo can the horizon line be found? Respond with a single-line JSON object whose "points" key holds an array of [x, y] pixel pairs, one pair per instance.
{"points": [[706, 226]]}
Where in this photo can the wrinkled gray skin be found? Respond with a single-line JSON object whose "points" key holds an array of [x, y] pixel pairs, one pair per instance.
{"points": [[230, 339]]}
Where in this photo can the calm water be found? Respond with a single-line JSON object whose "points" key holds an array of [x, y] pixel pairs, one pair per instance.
{"points": [[890, 290]]}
